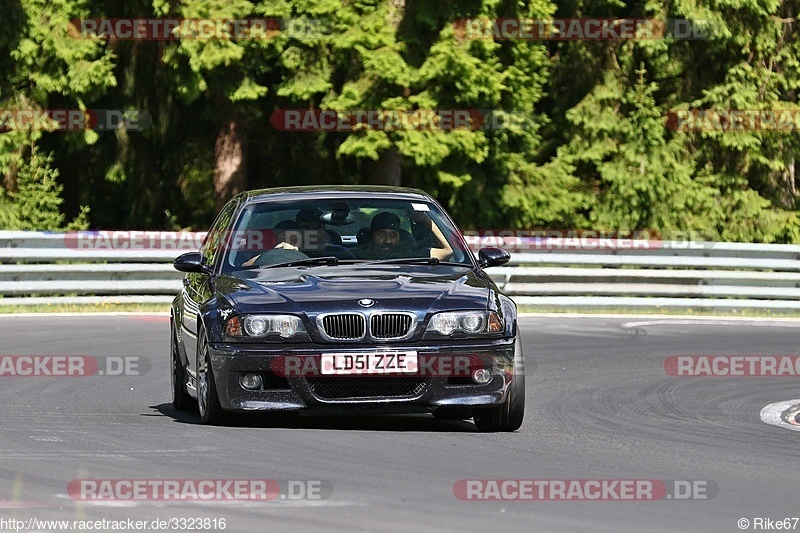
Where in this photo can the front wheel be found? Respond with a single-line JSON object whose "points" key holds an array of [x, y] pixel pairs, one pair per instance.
{"points": [[508, 415], [211, 412]]}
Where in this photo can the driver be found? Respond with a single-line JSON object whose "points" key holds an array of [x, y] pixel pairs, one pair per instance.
{"points": [[287, 235], [316, 241]]}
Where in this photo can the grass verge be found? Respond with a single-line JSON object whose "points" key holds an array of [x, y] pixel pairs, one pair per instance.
{"points": [[662, 311], [86, 308]]}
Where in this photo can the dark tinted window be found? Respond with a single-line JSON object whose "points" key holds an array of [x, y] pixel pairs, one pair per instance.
{"points": [[218, 232], [346, 228]]}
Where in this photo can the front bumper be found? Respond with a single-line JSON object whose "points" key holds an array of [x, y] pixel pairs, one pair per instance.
{"points": [[441, 383]]}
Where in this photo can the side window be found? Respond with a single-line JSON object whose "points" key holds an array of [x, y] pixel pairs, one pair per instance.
{"points": [[218, 233]]}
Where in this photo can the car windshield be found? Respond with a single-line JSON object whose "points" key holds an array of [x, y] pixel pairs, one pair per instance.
{"points": [[353, 230]]}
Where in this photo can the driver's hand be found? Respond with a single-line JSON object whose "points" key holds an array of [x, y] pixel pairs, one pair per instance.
{"points": [[286, 246]]}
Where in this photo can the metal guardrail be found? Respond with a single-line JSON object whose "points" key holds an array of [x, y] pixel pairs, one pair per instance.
{"points": [[91, 267], [38, 267]]}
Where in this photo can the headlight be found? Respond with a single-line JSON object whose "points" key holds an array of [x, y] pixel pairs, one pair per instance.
{"points": [[256, 326], [466, 322], [473, 322], [444, 323], [284, 326]]}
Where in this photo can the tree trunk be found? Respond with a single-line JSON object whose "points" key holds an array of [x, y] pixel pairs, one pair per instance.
{"points": [[10, 179], [230, 162], [386, 170]]}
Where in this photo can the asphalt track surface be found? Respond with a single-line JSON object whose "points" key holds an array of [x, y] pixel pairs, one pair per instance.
{"points": [[600, 405]]}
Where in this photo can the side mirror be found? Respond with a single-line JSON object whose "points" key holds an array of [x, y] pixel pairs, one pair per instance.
{"points": [[192, 262], [489, 257]]}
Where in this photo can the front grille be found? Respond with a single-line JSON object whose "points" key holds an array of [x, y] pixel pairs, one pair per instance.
{"points": [[347, 326], [339, 388], [390, 325]]}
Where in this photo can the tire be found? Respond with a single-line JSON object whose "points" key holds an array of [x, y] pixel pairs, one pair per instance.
{"points": [[453, 413], [211, 413], [507, 416], [181, 400]]}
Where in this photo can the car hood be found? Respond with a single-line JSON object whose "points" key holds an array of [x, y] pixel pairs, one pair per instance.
{"points": [[339, 288]]}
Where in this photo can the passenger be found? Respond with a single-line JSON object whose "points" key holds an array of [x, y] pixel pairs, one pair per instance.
{"points": [[429, 236], [421, 230]]}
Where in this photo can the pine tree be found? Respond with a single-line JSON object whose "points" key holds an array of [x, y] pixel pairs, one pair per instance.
{"points": [[37, 201], [45, 65]]}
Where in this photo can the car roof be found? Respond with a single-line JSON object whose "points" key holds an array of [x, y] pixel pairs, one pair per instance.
{"points": [[311, 192]]}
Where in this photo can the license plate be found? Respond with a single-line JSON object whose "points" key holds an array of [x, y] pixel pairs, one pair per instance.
{"points": [[369, 363]]}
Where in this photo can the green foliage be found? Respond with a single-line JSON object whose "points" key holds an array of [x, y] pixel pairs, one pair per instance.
{"points": [[641, 179], [45, 66], [8, 214], [47, 59], [586, 143], [196, 184], [37, 202], [611, 110]]}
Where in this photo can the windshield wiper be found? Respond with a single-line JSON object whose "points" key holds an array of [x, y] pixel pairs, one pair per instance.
{"points": [[412, 260], [327, 260]]}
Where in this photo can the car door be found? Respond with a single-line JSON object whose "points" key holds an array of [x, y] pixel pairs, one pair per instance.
{"points": [[198, 287]]}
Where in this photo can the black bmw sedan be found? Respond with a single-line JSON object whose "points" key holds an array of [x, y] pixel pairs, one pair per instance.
{"points": [[344, 300]]}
